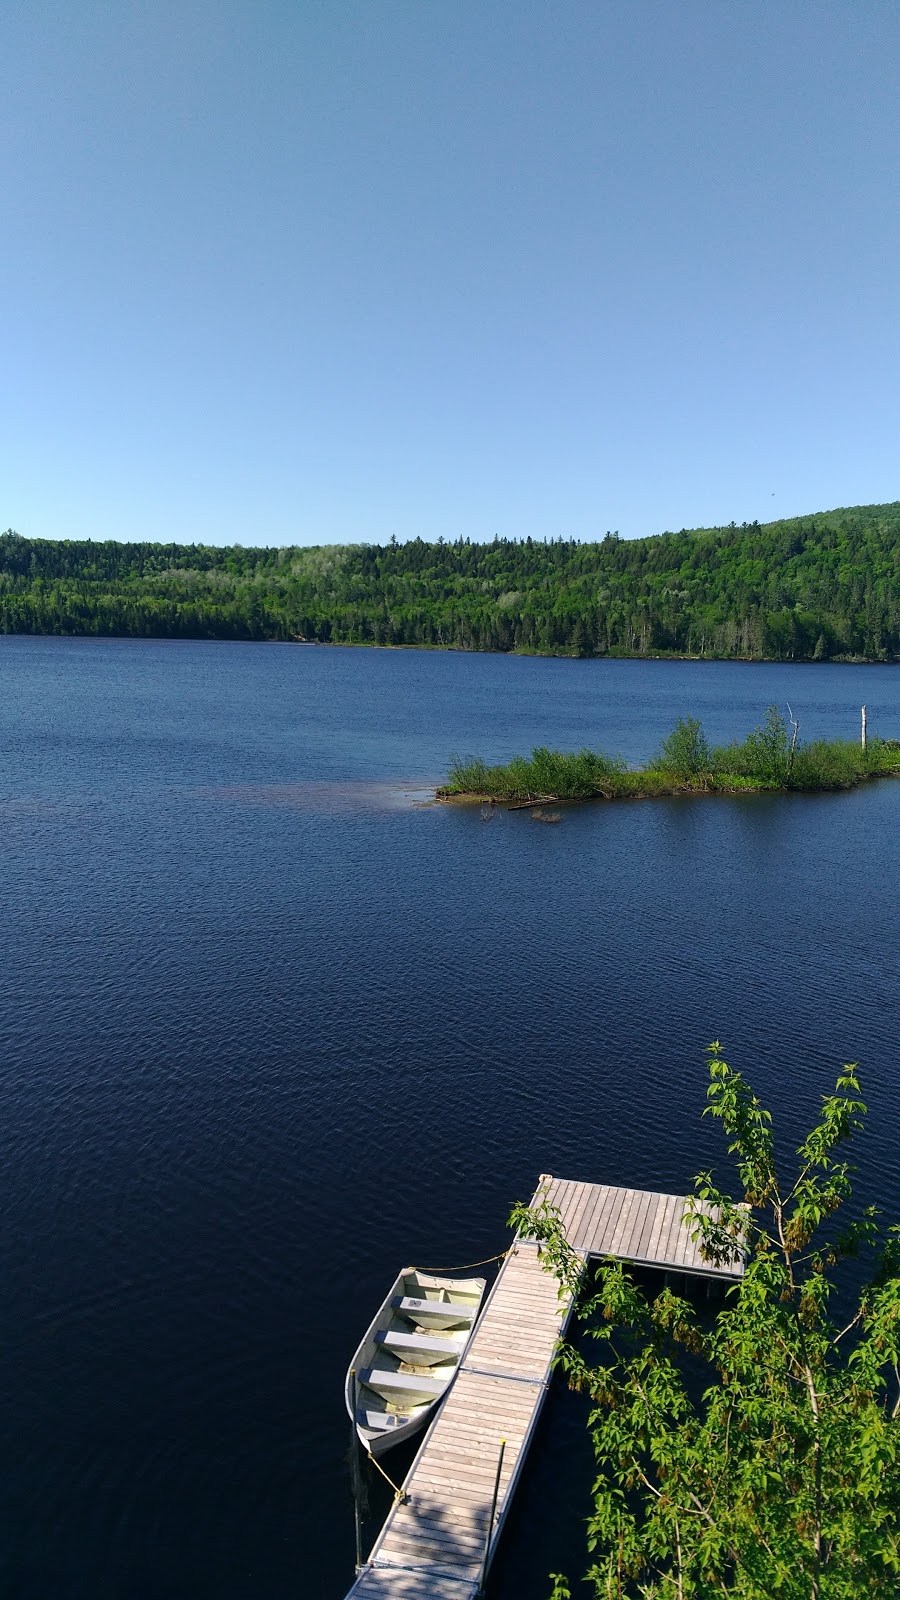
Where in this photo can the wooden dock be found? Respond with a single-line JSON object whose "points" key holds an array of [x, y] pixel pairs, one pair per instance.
{"points": [[635, 1225], [433, 1543]]}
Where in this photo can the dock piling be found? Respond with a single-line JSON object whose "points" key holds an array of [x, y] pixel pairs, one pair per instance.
{"points": [[491, 1519], [354, 1469]]}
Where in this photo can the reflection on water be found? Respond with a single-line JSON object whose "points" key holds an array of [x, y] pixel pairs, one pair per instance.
{"points": [[271, 1026], [325, 798]]}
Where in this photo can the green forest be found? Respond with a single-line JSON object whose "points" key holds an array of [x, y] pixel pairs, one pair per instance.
{"points": [[822, 587]]}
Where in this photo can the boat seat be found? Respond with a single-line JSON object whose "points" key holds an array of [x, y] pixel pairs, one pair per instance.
{"points": [[380, 1421], [382, 1380], [458, 1309], [424, 1347]]}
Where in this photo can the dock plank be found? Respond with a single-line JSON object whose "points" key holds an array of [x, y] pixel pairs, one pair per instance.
{"points": [[657, 1205], [628, 1244], [623, 1222], [600, 1197], [602, 1245], [595, 1227], [660, 1227], [387, 1583]]}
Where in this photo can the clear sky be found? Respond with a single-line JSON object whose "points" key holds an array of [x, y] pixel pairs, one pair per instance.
{"points": [[303, 271]]}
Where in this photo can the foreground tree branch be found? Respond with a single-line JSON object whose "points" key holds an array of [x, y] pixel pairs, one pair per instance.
{"points": [[758, 1454]]}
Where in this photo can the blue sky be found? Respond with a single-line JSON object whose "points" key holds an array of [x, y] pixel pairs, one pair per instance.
{"points": [[311, 272]]}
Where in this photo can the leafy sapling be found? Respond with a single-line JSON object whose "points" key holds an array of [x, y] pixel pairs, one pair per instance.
{"points": [[756, 1454]]}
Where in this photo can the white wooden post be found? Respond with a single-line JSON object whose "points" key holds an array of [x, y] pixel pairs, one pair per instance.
{"points": [[864, 727]]}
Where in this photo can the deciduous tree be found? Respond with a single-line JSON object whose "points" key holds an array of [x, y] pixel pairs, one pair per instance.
{"points": [[755, 1455]]}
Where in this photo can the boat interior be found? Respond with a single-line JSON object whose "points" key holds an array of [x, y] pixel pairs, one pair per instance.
{"points": [[414, 1348]]}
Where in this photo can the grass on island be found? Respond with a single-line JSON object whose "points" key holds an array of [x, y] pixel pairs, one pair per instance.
{"points": [[771, 757]]}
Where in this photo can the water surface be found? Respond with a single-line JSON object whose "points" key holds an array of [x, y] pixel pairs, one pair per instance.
{"points": [[271, 1028]]}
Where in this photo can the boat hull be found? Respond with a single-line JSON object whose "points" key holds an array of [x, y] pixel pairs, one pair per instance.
{"points": [[409, 1356]]}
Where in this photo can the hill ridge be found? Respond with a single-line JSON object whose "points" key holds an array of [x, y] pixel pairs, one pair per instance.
{"points": [[822, 586]]}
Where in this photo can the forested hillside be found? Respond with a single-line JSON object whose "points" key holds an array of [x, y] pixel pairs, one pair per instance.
{"points": [[820, 587]]}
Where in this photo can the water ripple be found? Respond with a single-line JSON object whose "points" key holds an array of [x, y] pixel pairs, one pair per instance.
{"points": [[269, 1027]]}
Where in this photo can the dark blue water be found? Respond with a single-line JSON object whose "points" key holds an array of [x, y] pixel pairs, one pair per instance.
{"points": [[270, 1029]]}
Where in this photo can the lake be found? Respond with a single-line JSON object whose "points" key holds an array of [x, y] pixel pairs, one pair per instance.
{"points": [[273, 1027]]}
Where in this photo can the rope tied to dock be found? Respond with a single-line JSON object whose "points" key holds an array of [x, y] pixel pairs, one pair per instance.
{"points": [[466, 1264], [399, 1496]]}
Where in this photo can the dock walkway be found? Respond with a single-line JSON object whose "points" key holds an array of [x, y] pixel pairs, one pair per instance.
{"points": [[432, 1545]]}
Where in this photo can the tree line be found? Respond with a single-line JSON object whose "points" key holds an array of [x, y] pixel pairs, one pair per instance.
{"points": [[823, 587]]}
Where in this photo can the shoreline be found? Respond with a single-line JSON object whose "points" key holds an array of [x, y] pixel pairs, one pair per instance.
{"points": [[463, 650], [646, 787]]}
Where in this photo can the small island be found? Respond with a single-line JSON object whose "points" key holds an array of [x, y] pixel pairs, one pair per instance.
{"points": [[771, 757]]}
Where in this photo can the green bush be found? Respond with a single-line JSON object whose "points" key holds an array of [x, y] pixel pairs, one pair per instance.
{"points": [[828, 764], [685, 752], [567, 776], [766, 751]]}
